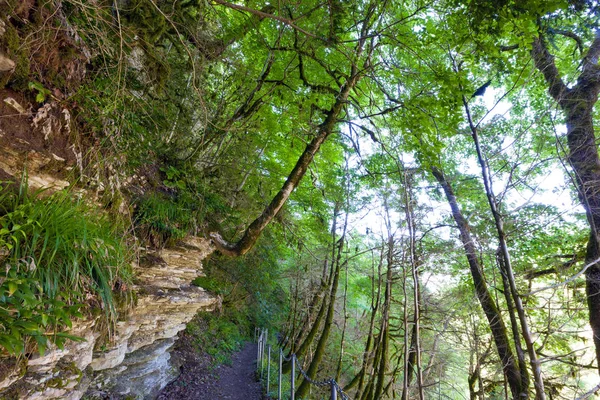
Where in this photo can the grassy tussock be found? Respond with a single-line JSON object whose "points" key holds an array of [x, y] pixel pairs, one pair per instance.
{"points": [[61, 260]]}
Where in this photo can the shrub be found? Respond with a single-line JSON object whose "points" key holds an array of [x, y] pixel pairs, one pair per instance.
{"points": [[59, 256], [161, 219], [216, 335]]}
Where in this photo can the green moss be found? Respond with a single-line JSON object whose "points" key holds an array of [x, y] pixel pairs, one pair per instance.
{"points": [[20, 53], [71, 368], [64, 371], [209, 284]]}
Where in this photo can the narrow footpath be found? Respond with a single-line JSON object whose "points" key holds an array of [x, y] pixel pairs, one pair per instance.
{"points": [[197, 381]]}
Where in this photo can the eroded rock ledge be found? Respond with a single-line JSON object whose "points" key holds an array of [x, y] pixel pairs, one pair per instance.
{"points": [[136, 363]]}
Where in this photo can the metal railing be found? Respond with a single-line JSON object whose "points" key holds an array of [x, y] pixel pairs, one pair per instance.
{"points": [[261, 336]]}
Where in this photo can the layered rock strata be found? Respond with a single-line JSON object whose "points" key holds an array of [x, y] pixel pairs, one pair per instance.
{"points": [[136, 361]]}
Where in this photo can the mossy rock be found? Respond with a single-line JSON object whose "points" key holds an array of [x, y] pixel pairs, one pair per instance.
{"points": [[66, 373], [20, 53]]}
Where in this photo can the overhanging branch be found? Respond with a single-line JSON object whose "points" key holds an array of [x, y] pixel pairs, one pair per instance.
{"points": [[544, 61], [262, 14]]}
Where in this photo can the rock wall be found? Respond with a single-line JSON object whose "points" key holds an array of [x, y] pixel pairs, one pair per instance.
{"points": [[136, 363]]}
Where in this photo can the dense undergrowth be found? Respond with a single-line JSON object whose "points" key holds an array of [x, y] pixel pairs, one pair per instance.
{"points": [[132, 78], [63, 260], [251, 297], [218, 335]]}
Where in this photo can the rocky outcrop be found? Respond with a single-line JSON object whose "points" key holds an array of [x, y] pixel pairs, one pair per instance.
{"points": [[6, 64], [136, 361]]}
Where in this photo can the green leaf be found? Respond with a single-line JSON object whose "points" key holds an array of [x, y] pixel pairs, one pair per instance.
{"points": [[12, 288], [42, 343]]}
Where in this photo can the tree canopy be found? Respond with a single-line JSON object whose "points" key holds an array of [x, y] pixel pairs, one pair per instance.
{"points": [[419, 180]]}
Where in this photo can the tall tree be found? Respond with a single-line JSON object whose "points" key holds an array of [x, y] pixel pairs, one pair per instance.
{"points": [[577, 103], [359, 62], [489, 306]]}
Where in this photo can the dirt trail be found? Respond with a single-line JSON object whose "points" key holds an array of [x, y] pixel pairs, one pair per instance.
{"points": [[198, 382]]}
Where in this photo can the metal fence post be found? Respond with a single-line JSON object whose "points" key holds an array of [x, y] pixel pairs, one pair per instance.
{"points": [[333, 390], [268, 368], [293, 378], [258, 353], [279, 380], [262, 353]]}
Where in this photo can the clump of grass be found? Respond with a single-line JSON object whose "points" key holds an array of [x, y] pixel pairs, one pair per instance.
{"points": [[60, 256], [159, 220], [162, 219]]}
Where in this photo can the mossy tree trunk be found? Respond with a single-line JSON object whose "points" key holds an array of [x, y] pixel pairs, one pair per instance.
{"points": [[359, 378], [319, 352], [254, 230], [508, 277], [359, 65], [384, 333]]}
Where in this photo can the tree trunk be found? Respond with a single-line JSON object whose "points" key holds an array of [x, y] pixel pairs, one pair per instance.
{"points": [[320, 349], [319, 298], [314, 308], [359, 379], [578, 105], [513, 323], [411, 361], [490, 309], [384, 341], [408, 363], [338, 371], [414, 266], [508, 271], [254, 230]]}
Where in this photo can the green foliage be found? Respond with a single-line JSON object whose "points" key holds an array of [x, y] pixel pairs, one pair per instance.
{"points": [[251, 286], [26, 313], [40, 90], [218, 335], [210, 284], [251, 296], [211, 107], [161, 218], [59, 255]]}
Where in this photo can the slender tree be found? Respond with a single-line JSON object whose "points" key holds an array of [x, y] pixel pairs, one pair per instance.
{"points": [[489, 306], [359, 64]]}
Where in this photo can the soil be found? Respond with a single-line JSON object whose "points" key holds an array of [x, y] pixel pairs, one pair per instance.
{"points": [[20, 136], [199, 381]]}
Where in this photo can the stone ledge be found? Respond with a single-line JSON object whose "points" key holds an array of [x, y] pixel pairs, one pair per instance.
{"points": [[139, 351]]}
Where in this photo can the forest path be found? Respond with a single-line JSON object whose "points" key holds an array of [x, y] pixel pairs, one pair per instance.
{"points": [[197, 381]]}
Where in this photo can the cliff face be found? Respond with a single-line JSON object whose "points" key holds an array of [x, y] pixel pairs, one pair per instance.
{"points": [[136, 362]]}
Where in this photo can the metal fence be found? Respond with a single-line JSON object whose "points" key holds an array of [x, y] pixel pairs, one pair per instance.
{"points": [[263, 364]]}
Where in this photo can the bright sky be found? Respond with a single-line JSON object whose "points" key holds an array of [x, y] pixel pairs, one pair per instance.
{"points": [[551, 188]]}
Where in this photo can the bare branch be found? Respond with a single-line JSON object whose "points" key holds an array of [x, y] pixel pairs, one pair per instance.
{"points": [[570, 35], [589, 394], [571, 279], [591, 58]]}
